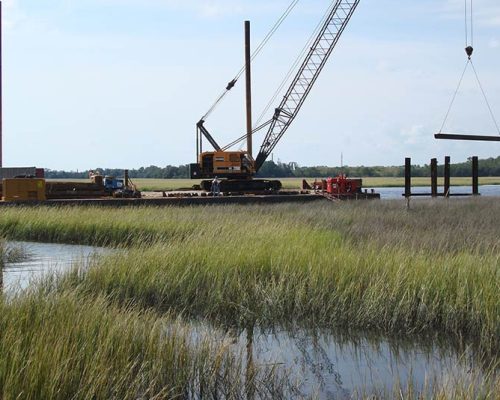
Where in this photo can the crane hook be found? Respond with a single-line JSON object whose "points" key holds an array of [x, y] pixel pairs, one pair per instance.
{"points": [[469, 50]]}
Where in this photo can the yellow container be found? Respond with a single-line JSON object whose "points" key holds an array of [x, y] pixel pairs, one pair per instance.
{"points": [[24, 189]]}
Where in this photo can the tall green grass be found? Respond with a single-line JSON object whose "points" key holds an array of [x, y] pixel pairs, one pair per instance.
{"points": [[370, 266], [12, 253], [366, 265], [67, 346], [307, 277], [434, 227]]}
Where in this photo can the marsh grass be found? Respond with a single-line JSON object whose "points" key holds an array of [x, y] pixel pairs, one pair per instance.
{"points": [[13, 253], [468, 387], [367, 265], [287, 279], [67, 346], [370, 266]]}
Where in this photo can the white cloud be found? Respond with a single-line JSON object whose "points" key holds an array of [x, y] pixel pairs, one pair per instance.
{"points": [[9, 4], [205, 8], [11, 13], [225, 8], [213, 9], [493, 43], [414, 134]]}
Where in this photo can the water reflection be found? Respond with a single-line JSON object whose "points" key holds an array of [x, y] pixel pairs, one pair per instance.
{"points": [[396, 193], [320, 364], [25, 262], [328, 365]]}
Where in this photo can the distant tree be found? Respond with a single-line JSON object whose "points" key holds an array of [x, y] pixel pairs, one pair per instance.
{"points": [[271, 169]]}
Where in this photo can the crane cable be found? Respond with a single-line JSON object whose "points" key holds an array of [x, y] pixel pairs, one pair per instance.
{"points": [[258, 124], [467, 24], [256, 52], [299, 58], [469, 49]]}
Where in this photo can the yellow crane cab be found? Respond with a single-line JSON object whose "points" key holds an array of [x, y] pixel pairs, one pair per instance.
{"points": [[223, 164]]}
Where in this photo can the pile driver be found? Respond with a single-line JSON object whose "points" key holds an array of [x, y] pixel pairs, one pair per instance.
{"points": [[238, 168]]}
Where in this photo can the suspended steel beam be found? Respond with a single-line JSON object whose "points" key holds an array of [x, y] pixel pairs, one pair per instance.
{"points": [[454, 136]]}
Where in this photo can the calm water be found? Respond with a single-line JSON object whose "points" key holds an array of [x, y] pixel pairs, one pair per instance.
{"points": [[42, 258], [330, 366], [397, 193], [320, 364]]}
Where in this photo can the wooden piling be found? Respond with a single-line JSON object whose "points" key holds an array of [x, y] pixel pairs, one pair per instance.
{"points": [[407, 177], [248, 74], [447, 176], [126, 178], [475, 175], [434, 177]]}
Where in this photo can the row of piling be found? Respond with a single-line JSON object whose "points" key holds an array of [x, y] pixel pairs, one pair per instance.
{"points": [[447, 179]]}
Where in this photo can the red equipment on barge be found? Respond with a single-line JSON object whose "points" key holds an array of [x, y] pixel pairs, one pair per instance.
{"points": [[341, 188]]}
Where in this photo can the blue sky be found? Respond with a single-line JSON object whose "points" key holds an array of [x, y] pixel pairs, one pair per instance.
{"points": [[121, 83]]}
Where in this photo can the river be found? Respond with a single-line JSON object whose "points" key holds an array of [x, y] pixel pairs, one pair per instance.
{"points": [[38, 259], [392, 193]]}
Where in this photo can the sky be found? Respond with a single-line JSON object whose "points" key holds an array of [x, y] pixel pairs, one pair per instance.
{"points": [[122, 83]]}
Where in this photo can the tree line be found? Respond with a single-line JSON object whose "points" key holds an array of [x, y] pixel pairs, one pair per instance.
{"points": [[271, 169]]}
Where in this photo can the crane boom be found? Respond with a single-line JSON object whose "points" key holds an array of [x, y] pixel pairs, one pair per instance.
{"points": [[318, 55]]}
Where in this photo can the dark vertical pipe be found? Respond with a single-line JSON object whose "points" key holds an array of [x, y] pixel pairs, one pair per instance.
{"points": [[197, 144], [407, 177], [447, 176], [250, 367], [248, 68], [1, 92], [126, 178], [475, 175], [201, 142], [434, 177]]}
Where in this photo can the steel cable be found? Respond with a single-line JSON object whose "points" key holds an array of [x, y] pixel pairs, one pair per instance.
{"points": [[295, 64], [259, 48], [485, 97], [454, 96], [466, 25], [469, 61]]}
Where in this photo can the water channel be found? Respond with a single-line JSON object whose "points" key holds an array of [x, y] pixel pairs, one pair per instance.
{"points": [[322, 364], [30, 262], [396, 193], [326, 365]]}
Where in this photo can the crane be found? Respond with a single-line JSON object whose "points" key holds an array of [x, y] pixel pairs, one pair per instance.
{"points": [[238, 168]]}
